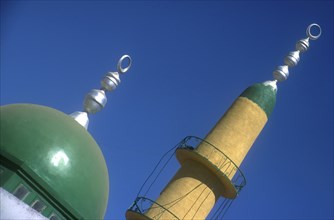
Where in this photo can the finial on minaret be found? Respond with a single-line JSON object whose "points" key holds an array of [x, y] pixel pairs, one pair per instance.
{"points": [[96, 99], [282, 72]]}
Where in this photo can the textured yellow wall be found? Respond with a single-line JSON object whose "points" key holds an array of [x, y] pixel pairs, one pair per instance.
{"points": [[191, 194], [236, 131]]}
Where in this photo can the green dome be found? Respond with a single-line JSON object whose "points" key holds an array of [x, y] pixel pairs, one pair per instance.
{"points": [[264, 95], [59, 155]]}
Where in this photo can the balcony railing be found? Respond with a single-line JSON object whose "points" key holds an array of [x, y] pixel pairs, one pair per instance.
{"points": [[146, 209], [142, 205], [217, 158]]}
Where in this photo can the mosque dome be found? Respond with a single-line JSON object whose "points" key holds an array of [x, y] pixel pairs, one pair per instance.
{"points": [[57, 159]]}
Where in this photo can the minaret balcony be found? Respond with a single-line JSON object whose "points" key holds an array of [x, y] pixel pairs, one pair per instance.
{"points": [[229, 174], [140, 207]]}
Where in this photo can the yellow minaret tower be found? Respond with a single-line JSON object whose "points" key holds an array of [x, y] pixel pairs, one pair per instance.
{"points": [[210, 170], [206, 172]]}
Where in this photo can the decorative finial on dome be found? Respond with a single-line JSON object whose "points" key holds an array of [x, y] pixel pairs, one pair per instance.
{"points": [[282, 72], [96, 99]]}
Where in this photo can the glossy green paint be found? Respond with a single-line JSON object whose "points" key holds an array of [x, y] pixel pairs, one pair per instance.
{"points": [[263, 95], [59, 155]]}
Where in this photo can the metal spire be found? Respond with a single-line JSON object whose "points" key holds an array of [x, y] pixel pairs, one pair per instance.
{"points": [[96, 99], [282, 72]]}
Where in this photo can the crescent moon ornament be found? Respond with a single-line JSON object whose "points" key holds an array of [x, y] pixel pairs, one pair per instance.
{"points": [[119, 64], [309, 31]]}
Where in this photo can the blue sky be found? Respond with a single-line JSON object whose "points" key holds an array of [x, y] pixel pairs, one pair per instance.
{"points": [[190, 61]]}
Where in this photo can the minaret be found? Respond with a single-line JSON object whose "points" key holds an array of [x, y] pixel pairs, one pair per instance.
{"points": [[211, 169]]}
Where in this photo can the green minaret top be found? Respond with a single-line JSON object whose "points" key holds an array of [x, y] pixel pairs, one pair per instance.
{"points": [[57, 156], [263, 94]]}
